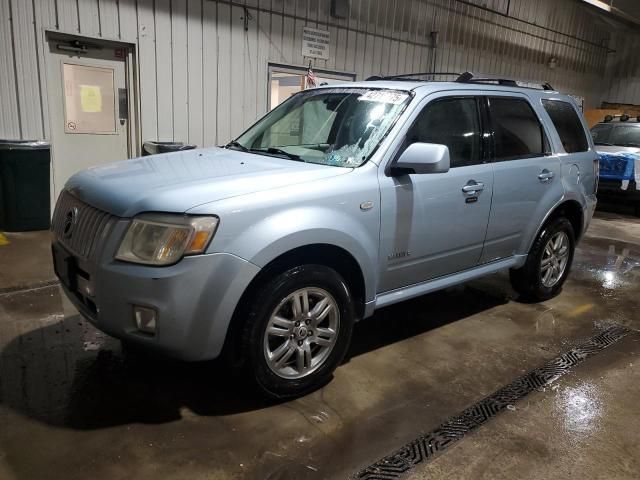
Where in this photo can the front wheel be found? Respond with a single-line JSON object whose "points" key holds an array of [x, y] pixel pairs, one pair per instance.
{"points": [[298, 330], [548, 263]]}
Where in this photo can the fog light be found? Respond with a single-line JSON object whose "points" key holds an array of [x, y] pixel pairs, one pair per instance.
{"points": [[145, 319]]}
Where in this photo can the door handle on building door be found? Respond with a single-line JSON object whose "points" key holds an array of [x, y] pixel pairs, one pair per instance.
{"points": [[123, 105]]}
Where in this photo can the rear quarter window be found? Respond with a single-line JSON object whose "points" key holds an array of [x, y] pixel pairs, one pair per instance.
{"points": [[568, 125]]}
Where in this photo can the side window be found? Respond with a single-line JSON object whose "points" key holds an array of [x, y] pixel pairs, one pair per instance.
{"points": [[517, 130], [568, 125], [453, 122], [600, 133]]}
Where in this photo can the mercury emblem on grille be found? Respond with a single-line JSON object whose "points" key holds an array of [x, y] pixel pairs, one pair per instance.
{"points": [[70, 220]]}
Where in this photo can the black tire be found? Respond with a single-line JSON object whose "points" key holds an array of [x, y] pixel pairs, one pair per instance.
{"points": [[263, 303], [527, 280]]}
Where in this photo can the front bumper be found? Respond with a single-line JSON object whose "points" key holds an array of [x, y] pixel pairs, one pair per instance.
{"points": [[195, 300]]}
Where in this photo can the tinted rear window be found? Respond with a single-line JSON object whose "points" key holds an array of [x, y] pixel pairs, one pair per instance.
{"points": [[517, 130], [568, 125]]}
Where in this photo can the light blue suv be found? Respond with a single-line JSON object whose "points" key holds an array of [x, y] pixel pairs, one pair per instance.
{"points": [[342, 200]]}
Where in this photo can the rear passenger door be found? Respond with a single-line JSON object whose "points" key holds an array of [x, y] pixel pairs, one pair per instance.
{"points": [[527, 176]]}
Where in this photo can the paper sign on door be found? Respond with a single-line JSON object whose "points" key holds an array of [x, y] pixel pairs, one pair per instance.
{"points": [[90, 98]]}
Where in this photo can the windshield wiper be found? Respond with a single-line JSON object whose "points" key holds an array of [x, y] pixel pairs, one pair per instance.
{"points": [[603, 143], [277, 151], [234, 143], [631, 144]]}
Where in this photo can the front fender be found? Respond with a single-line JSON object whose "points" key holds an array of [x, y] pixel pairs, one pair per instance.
{"points": [[275, 235]]}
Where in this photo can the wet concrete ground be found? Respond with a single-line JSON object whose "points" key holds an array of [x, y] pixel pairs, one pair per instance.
{"points": [[74, 405], [24, 260]]}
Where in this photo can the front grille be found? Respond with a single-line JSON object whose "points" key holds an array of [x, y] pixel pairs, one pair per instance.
{"points": [[89, 225]]}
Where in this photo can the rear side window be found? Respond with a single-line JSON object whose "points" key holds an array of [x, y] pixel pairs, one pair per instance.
{"points": [[625, 135], [453, 122], [568, 125], [517, 130], [600, 133]]}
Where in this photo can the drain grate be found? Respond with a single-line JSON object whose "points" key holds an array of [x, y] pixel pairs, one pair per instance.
{"points": [[425, 447]]}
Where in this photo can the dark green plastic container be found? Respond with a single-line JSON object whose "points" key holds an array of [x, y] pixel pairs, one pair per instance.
{"points": [[24, 185]]}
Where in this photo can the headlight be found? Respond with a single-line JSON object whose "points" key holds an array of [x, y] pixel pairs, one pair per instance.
{"points": [[156, 239]]}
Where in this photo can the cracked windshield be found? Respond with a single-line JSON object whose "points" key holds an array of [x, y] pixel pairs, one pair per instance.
{"points": [[339, 127]]}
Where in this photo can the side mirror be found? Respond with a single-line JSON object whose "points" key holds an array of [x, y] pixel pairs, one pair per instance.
{"points": [[422, 158]]}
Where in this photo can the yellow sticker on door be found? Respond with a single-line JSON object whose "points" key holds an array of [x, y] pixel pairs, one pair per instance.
{"points": [[90, 98]]}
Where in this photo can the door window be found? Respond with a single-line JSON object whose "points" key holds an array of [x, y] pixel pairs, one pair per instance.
{"points": [[568, 125], [517, 130], [89, 99], [453, 122]]}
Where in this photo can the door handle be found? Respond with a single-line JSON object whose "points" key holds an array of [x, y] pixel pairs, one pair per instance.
{"points": [[473, 187], [545, 175], [123, 105]]}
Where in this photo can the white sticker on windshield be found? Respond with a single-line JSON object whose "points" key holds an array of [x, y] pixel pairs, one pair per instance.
{"points": [[384, 96]]}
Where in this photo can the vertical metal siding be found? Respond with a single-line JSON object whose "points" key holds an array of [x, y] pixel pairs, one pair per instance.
{"points": [[224, 80], [68, 16], [210, 67], [179, 64], [89, 15], [128, 20], [164, 70], [194, 67], [26, 69], [203, 77], [109, 21], [623, 70], [9, 119], [147, 68]]}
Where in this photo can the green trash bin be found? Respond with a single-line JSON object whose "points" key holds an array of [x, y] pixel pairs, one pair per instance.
{"points": [[24, 185]]}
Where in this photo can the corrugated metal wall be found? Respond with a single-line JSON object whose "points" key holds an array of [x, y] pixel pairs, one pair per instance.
{"points": [[203, 77], [623, 69]]}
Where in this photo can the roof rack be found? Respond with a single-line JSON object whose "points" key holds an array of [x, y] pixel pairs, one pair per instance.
{"points": [[409, 76], [624, 117], [468, 77]]}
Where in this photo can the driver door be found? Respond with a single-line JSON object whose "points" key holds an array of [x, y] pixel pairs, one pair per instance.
{"points": [[430, 226]]}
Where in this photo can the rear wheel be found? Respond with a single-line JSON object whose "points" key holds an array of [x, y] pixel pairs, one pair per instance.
{"points": [[297, 331], [548, 262]]}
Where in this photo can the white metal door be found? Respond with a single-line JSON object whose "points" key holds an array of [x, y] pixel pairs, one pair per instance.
{"points": [[88, 106]]}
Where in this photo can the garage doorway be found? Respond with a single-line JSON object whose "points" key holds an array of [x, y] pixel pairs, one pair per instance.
{"points": [[285, 81], [88, 85]]}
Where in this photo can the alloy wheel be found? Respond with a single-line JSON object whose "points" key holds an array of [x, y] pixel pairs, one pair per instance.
{"points": [[555, 257], [301, 332]]}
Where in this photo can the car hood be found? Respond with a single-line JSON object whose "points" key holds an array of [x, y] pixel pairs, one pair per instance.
{"points": [[179, 181]]}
